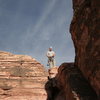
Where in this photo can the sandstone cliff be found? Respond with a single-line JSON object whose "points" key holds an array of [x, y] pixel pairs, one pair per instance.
{"points": [[80, 80], [86, 37], [21, 78]]}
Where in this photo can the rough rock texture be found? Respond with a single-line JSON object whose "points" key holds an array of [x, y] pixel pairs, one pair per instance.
{"points": [[52, 72], [69, 84], [21, 78], [80, 81], [86, 37]]}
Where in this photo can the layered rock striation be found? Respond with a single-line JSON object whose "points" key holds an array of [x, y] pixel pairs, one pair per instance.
{"points": [[86, 37], [21, 78]]}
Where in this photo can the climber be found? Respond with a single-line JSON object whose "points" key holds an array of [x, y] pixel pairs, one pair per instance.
{"points": [[51, 54]]}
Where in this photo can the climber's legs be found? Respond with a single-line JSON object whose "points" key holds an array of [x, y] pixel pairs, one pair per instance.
{"points": [[51, 62]]}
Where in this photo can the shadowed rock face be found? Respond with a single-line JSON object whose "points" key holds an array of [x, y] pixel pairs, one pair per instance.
{"points": [[21, 78], [69, 84], [80, 81], [86, 37]]}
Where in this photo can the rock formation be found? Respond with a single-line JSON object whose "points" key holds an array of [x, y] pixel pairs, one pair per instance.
{"points": [[80, 80], [21, 78], [53, 72], [86, 37], [69, 84]]}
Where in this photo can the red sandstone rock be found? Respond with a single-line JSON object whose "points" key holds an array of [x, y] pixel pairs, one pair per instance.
{"points": [[81, 81], [21, 78], [86, 37], [69, 84], [53, 72], [73, 84]]}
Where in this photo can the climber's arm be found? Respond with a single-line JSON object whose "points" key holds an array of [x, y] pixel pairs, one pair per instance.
{"points": [[54, 54], [47, 54]]}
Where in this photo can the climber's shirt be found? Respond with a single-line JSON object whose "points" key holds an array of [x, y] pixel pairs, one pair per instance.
{"points": [[50, 54]]}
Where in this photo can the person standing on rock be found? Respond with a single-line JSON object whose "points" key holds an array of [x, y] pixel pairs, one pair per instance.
{"points": [[51, 61]]}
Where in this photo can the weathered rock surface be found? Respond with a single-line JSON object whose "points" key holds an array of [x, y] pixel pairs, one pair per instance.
{"points": [[86, 37], [21, 78], [69, 84], [80, 81], [53, 72]]}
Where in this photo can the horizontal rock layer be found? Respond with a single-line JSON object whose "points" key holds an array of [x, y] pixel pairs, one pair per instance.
{"points": [[21, 78]]}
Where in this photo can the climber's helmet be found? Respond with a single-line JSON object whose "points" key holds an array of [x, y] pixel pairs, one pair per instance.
{"points": [[50, 48]]}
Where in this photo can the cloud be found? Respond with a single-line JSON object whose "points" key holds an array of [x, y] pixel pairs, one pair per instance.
{"points": [[48, 8], [47, 11]]}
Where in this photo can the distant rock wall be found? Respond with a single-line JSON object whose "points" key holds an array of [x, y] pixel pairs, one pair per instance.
{"points": [[21, 78], [85, 31]]}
